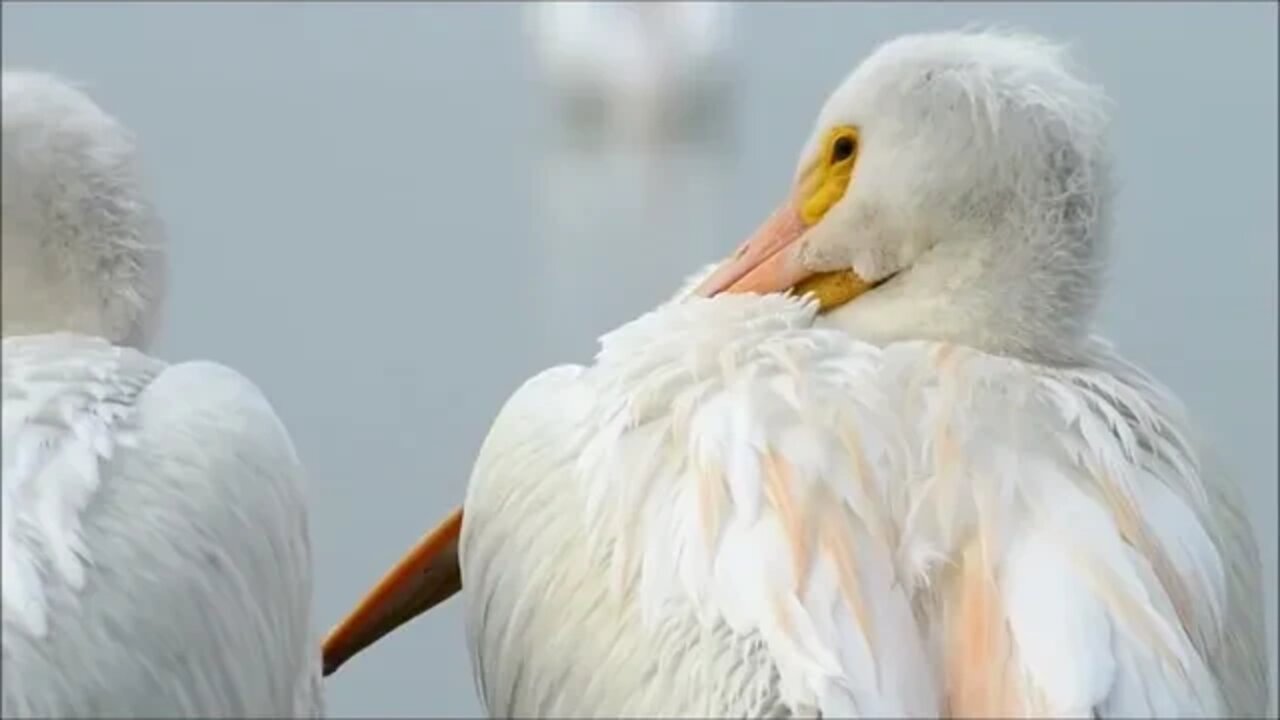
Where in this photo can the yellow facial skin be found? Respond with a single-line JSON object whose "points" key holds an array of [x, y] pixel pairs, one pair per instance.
{"points": [[821, 187], [828, 179]]}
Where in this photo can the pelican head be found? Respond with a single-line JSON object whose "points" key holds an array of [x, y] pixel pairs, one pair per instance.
{"points": [[83, 250], [954, 188]]}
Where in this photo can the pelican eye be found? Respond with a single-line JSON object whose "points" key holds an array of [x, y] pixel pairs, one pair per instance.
{"points": [[842, 149]]}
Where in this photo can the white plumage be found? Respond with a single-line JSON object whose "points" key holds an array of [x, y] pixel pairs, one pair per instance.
{"points": [[736, 511], [156, 560], [940, 496]]}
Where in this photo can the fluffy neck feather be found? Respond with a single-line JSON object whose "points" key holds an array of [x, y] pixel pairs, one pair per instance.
{"points": [[990, 290]]}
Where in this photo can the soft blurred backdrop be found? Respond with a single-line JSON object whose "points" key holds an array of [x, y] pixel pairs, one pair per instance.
{"points": [[384, 216]]}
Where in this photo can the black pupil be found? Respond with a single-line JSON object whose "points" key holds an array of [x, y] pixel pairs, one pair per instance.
{"points": [[842, 150]]}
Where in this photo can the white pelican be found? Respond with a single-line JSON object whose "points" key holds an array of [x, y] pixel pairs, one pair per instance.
{"points": [[156, 560], [930, 491]]}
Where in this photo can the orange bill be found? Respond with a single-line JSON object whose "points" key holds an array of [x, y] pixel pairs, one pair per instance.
{"points": [[425, 577], [770, 262], [767, 262]]}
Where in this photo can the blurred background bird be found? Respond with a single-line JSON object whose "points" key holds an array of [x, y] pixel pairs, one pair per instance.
{"points": [[156, 557]]}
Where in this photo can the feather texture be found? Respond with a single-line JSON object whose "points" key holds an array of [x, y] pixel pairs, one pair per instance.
{"points": [[156, 556], [736, 511]]}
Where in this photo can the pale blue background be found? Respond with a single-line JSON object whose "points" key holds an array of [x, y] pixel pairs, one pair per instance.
{"points": [[351, 192]]}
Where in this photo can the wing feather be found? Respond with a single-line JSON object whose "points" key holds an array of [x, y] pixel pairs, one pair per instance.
{"points": [[798, 549], [166, 574], [792, 521], [1109, 585]]}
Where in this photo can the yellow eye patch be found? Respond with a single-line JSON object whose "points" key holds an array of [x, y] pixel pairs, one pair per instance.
{"points": [[828, 181]]}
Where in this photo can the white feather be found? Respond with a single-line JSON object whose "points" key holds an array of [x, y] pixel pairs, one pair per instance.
{"points": [[1026, 477], [168, 578]]}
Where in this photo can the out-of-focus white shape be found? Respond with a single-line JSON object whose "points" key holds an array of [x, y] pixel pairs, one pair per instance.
{"points": [[156, 560], [635, 71]]}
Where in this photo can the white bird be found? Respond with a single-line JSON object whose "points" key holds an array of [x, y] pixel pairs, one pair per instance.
{"points": [[930, 492], [646, 73], [156, 560]]}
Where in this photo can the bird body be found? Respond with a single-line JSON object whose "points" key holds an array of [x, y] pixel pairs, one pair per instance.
{"points": [[156, 558], [155, 541], [739, 512]]}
